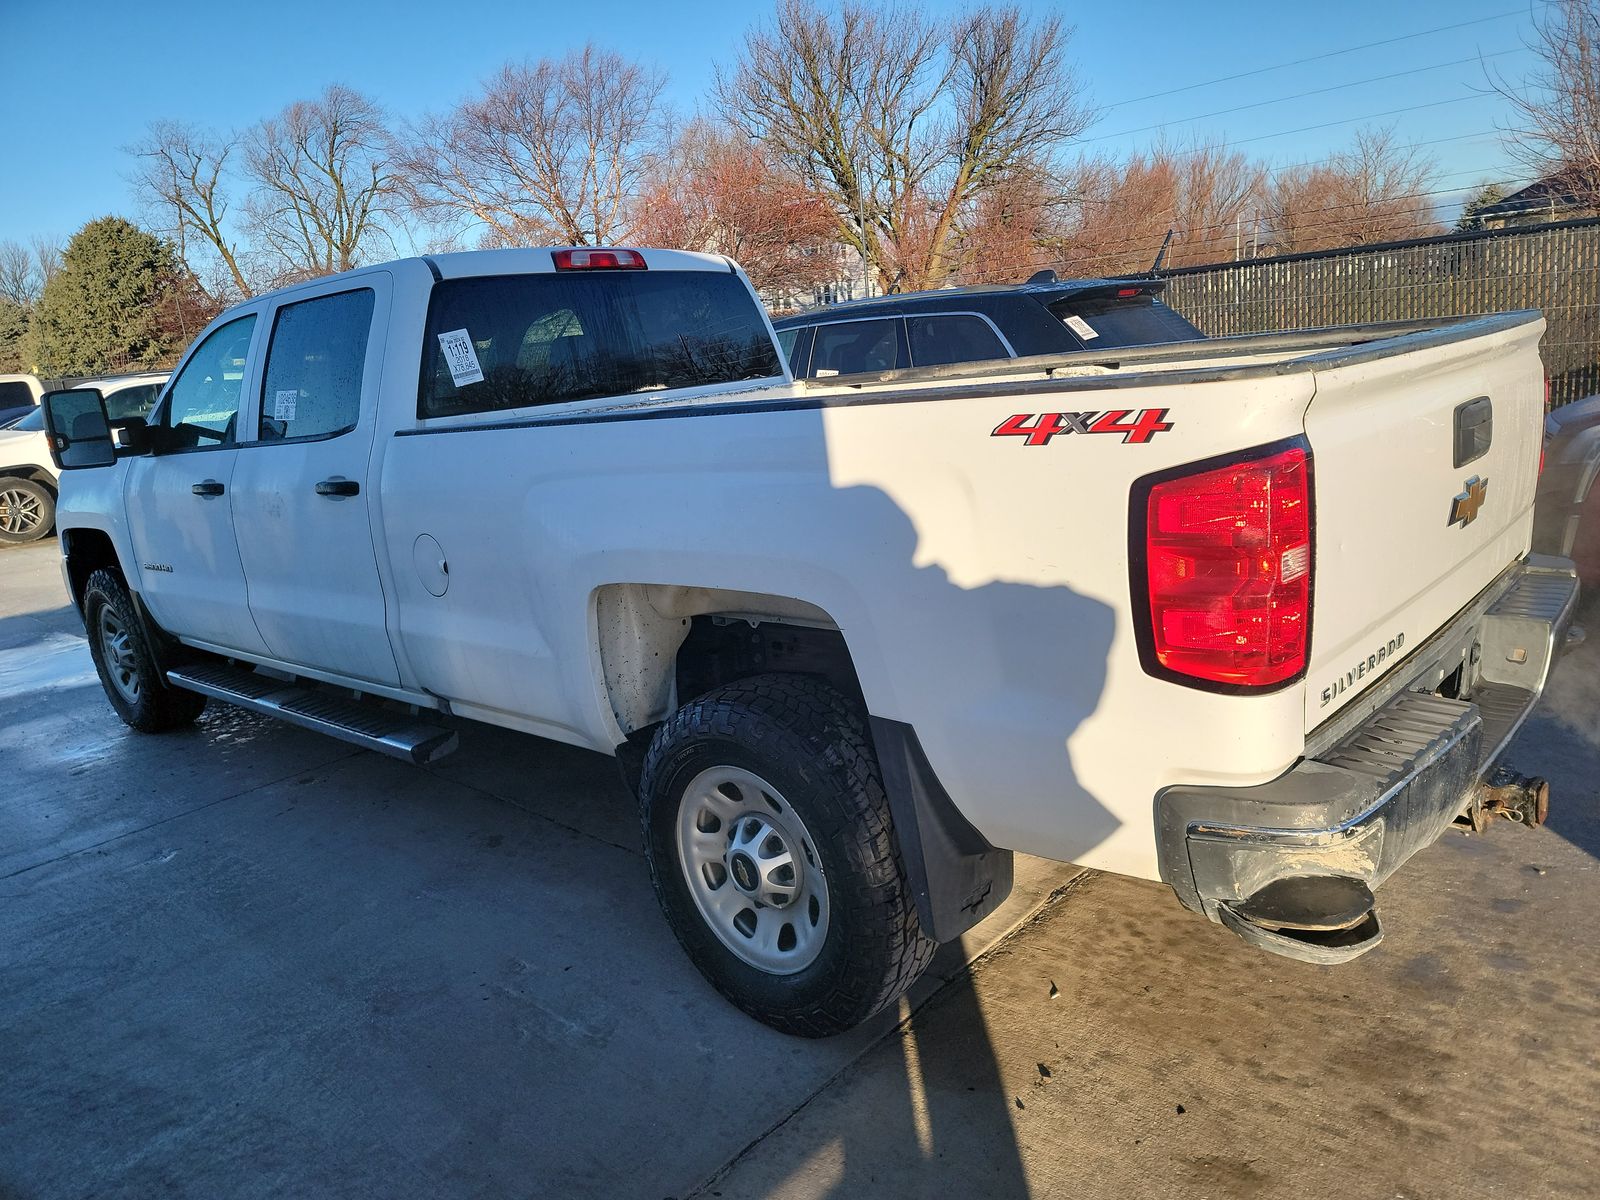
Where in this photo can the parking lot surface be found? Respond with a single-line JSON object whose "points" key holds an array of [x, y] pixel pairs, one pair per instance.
{"points": [[244, 960]]}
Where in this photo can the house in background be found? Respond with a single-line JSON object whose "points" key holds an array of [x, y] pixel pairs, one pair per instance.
{"points": [[1561, 196]]}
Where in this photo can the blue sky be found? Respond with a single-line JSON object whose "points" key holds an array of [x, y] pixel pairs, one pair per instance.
{"points": [[82, 79]]}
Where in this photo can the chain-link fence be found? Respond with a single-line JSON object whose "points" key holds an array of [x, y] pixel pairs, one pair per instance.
{"points": [[1554, 268]]}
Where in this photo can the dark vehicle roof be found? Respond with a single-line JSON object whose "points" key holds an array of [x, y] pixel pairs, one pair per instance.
{"points": [[1044, 293]]}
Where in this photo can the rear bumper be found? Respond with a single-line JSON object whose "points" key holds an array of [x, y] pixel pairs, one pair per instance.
{"points": [[1290, 865]]}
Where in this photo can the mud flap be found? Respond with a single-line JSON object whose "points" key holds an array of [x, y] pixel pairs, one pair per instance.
{"points": [[956, 876]]}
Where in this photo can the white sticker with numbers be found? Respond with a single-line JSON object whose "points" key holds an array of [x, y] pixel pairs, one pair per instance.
{"points": [[1081, 327], [283, 404], [460, 357]]}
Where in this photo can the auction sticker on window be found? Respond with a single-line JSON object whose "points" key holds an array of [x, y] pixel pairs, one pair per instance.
{"points": [[1080, 327], [283, 404], [460, 357]]}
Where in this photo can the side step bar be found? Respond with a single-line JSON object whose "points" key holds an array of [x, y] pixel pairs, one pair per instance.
{"points": [[365, 725]]}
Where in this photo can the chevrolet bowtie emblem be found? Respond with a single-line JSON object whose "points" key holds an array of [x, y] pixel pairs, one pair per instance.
{"points": [[1464, 511]]}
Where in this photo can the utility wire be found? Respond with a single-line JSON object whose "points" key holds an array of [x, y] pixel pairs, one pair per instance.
{"points": [[1392, 112], [1338, 87], [1300, 62], [1149, 243]]}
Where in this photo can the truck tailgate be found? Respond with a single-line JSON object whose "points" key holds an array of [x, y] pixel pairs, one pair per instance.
{"points": [[1409, 527]]}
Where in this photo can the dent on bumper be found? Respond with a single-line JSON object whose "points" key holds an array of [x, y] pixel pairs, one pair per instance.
{"points": [[1384, 789]]}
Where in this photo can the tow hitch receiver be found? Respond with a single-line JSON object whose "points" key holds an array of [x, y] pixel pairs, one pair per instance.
{"points": [[1521, 798]]}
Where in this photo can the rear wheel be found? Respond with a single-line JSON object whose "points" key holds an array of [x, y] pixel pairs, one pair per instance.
{"points": [[27, 510], [773, 856], [124, 661]]}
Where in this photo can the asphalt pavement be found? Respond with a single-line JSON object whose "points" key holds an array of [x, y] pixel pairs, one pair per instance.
{"points": [[244, 960]]}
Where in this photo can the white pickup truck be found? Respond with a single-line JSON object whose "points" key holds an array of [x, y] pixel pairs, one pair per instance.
{"points": [[1253, 616]]}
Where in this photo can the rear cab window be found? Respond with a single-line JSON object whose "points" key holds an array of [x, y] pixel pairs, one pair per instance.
{"points": [[515, 341], [1111, 323]]}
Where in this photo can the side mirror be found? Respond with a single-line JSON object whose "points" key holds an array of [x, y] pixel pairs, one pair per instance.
{"points": [[79, 434], [134, 435]]}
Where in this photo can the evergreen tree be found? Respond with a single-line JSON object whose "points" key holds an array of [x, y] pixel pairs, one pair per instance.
{"points": [[1489, 193], [105, 309]]}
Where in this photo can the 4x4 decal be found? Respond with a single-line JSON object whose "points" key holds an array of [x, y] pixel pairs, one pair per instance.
{"points": [[1143, 427]]}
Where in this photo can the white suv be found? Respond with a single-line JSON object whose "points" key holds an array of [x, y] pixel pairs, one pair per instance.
{"points": [[28, 477]]}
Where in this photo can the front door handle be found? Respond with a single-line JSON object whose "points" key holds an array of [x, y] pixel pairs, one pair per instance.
{"points": [[208, 488], [338, 487]]}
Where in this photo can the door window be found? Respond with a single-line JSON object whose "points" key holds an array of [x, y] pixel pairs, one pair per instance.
{"points": [[952, 339], [135, 401], [312, 384], [853, 346], [203, 403]]}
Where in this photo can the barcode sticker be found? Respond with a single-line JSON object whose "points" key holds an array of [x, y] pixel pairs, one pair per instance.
{"points": [[283, 404], [1080, 327], [460, 357]]}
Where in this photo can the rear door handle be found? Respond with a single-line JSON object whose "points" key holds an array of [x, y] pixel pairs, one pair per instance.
{"points": [[208, 488], [338, 487]]}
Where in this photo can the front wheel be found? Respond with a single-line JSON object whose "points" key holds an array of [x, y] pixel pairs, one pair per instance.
{"points": [[773, 855], [27, 510], [126, 666]]}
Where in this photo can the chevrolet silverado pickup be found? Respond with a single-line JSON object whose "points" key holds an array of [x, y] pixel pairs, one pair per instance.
{"points": [[1254, 616]]}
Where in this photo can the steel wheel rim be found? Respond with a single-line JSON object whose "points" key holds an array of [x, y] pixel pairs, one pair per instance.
{"points": [[20, 512], [122, 667], [753, 870]]}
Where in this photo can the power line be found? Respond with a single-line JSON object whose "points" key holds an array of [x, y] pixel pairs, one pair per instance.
{"points": [[1338, 87], [1299, 62], [1393, 112], [1317, 162], [1151, 242]]}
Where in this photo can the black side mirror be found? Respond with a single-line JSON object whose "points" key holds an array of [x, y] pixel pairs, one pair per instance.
{"points": [[134, 435], [79, 434]]}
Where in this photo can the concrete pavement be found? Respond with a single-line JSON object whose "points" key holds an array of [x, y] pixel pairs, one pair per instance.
{"points": [[244, 960]]}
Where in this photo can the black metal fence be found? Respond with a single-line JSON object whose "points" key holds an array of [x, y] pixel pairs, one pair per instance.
{"points": [[1554, 268]]}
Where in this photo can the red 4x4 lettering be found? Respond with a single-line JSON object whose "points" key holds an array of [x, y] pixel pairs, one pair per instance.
{"points": [[1038, 428], [1146, 425]]}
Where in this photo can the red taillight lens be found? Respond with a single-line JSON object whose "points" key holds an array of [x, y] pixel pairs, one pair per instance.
{"points": [[598, 260], [1228, 560]]}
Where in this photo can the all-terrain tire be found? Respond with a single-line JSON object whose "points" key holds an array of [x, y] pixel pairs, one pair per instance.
{"points": [[811, 743], [121, 652], [27, 510]]}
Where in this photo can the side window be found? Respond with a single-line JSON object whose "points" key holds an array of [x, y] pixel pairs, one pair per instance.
{"points": [[853, 346], [203, 403], [15, 395], [786, 338], [939, 340], [133, 401], [312, 384]]}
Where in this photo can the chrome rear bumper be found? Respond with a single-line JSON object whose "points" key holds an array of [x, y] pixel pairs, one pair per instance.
{"points": [[1289, 864]]}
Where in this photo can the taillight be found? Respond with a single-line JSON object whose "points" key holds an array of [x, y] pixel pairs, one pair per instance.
{"points": [[1227, 558], [598, 260]]}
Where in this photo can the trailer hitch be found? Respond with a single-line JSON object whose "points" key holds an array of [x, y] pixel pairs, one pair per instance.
{"points": [[1521, 798]]}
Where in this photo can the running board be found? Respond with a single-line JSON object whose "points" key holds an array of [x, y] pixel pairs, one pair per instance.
{"points": [[365, 725]]}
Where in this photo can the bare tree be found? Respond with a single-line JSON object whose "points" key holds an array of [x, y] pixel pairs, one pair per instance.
{"points": [[1021, 223], [1216, 190], [552, 151], [1377, 191], [1556, 109], [324, 184], [181, 173], [19, 280], [719, 192], [903, 120], [46, 256]]}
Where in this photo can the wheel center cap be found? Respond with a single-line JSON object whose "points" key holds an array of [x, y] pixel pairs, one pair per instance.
{"points": [[743, 869]]}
